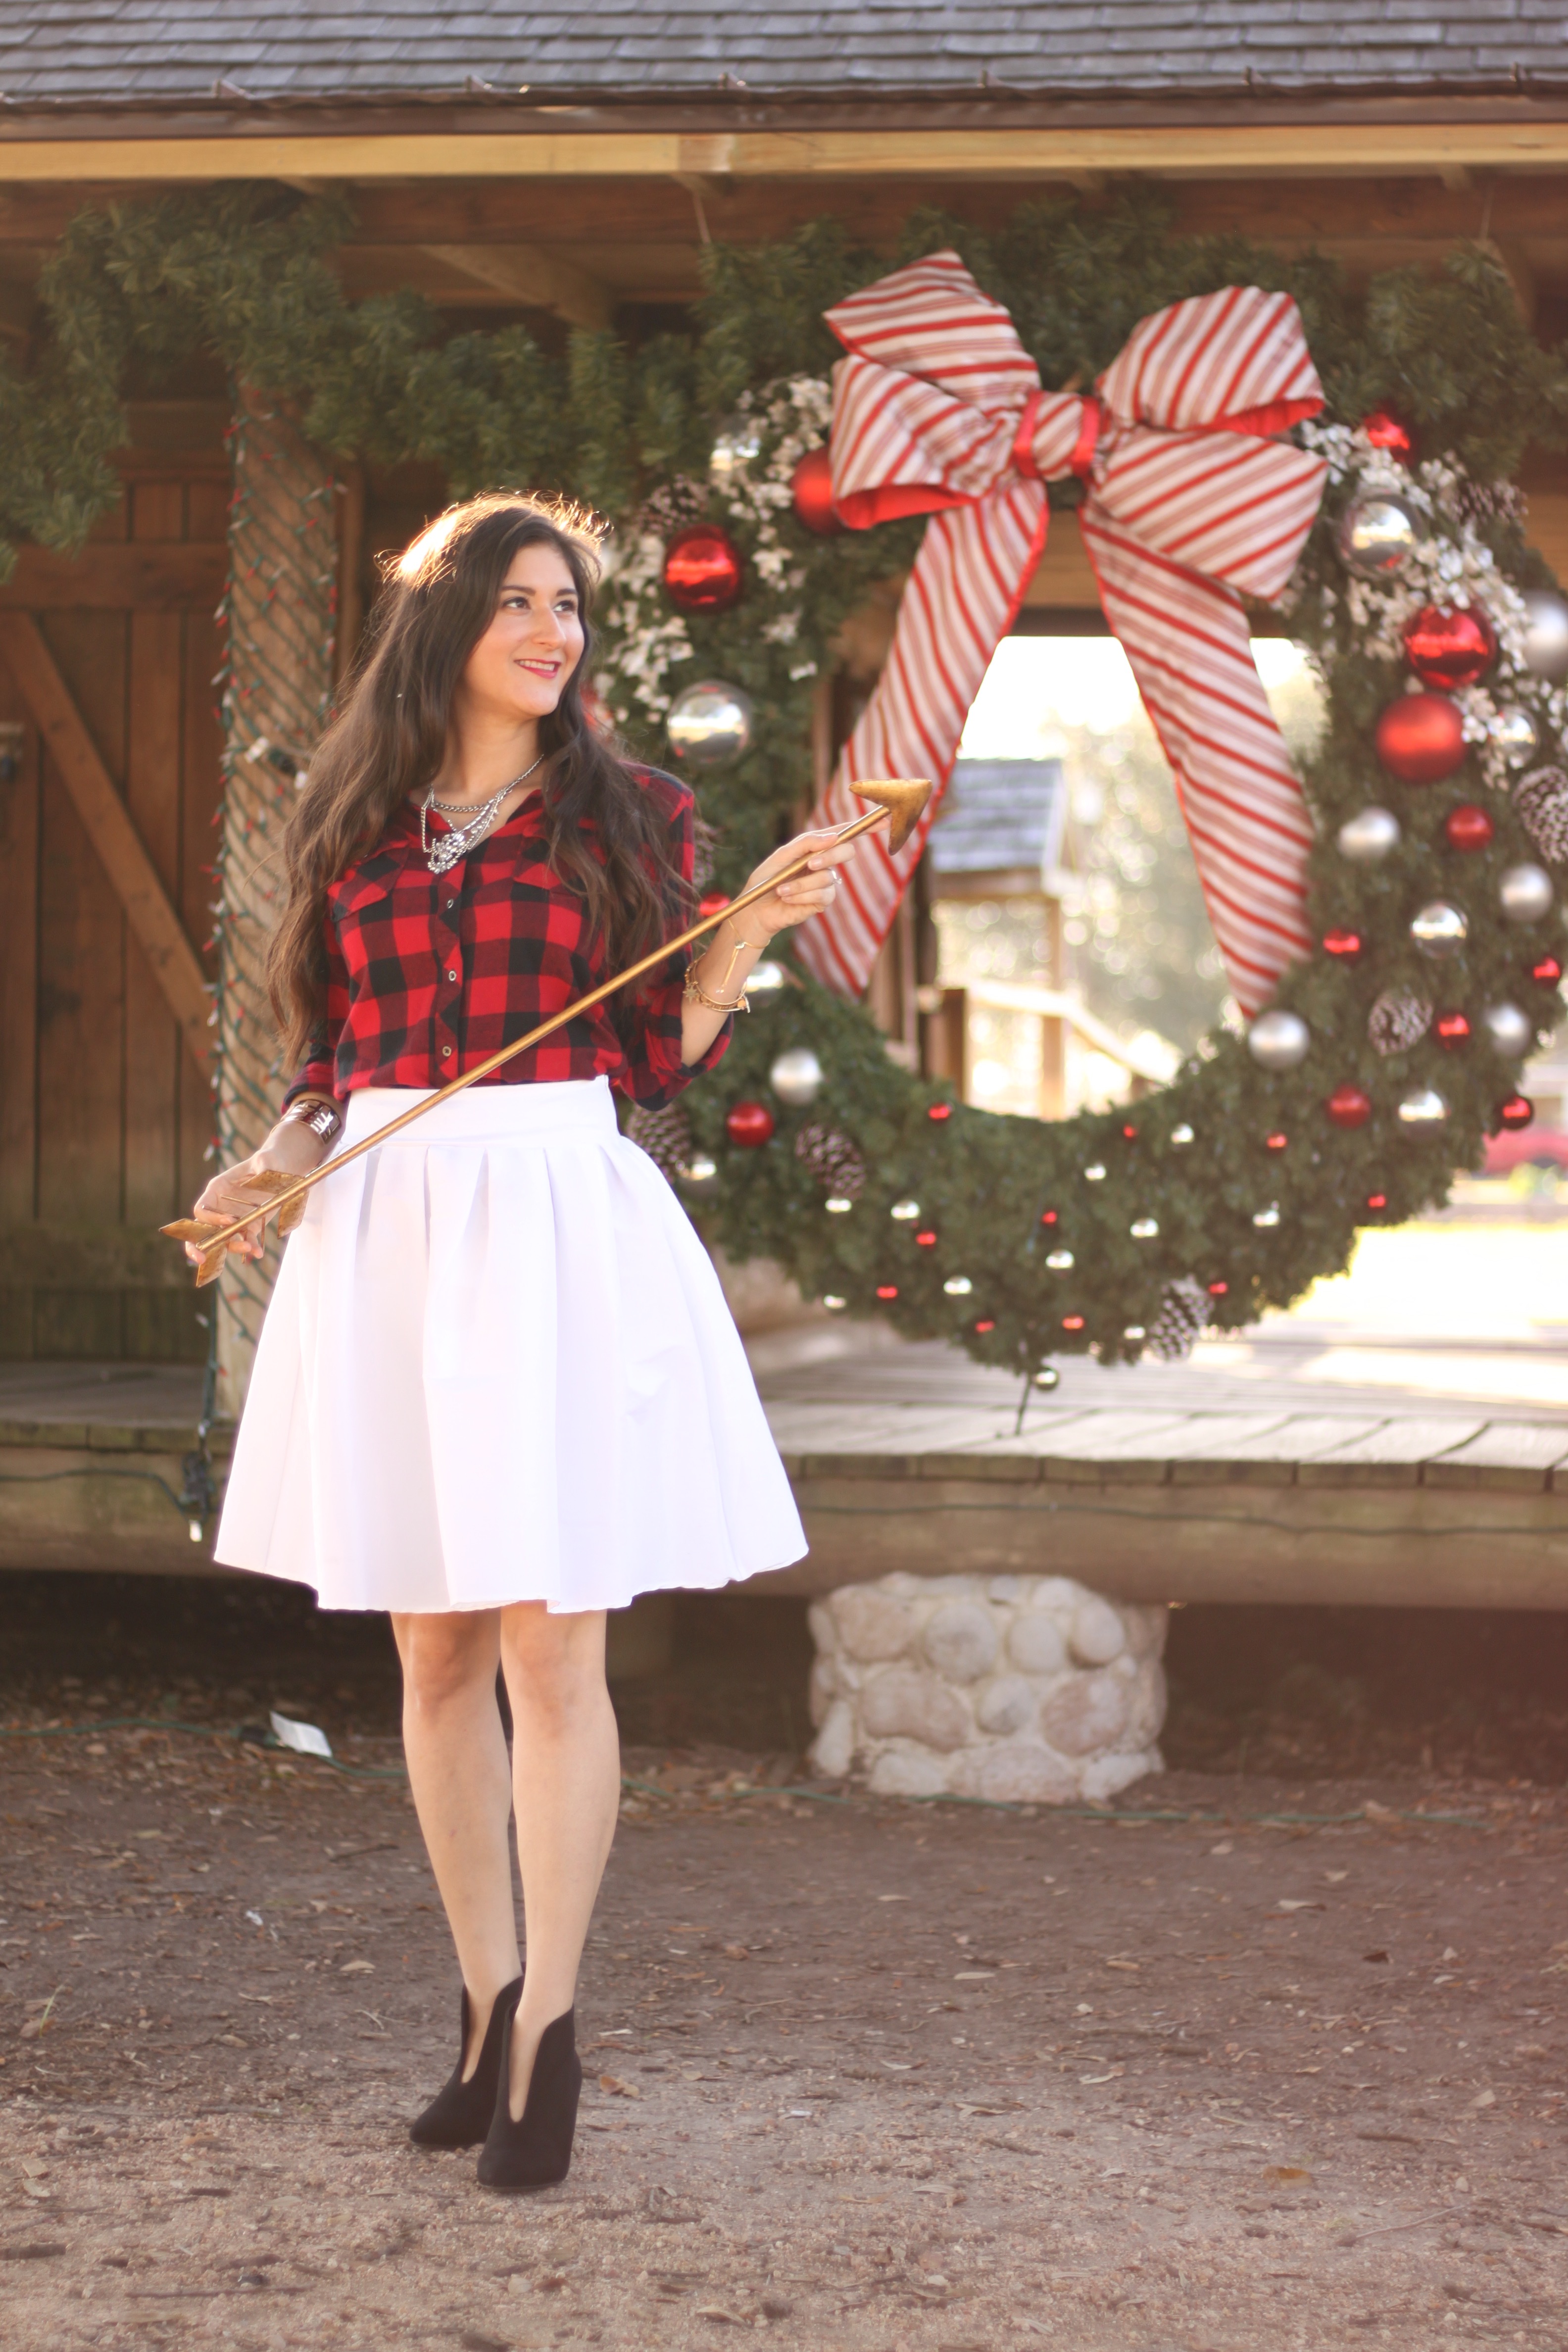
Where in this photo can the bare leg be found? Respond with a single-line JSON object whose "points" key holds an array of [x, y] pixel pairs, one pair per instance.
{"points": [[566, 1775], [456, 1749]]}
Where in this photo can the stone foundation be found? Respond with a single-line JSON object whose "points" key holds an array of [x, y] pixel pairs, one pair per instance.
{"points": [[1027, 1688]]}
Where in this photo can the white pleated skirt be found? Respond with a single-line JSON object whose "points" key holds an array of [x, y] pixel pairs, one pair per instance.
{"points": [[498, 1366]]}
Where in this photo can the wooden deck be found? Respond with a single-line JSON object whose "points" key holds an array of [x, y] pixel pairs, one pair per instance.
{"points": [[1287, 1467]]}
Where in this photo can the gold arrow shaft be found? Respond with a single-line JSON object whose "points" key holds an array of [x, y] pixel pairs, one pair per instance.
{"points": [[222, 1236]]}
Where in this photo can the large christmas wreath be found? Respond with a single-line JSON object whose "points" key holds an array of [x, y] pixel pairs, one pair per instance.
{"points": [[1389, 1050]]}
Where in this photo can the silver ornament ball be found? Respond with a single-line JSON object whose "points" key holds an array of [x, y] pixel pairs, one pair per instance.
{"points": [[1367, 837], [766, 979], [796, 1077], [709, 724], [737, 445], [700, 1171], [1423, 1106], [1378, 534], [1439, 930], [1546, 635], [1278, 1040], [1524, 893], [1516, 734], [1511, 1030]]}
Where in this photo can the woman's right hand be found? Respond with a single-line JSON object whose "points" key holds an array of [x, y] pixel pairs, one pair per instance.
{"points": [[291, 1150]]}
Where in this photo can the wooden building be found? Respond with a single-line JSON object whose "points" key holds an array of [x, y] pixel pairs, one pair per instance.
{"points": [[566, 167]]}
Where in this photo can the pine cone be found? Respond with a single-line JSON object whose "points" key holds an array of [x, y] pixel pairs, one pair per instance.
{"points": [[665, 1135], [1542, 800], [1175, 1331], [1397, 1021], [833, 1161], [1487, 501]]}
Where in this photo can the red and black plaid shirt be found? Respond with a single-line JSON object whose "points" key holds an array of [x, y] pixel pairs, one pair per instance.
{"points": [[427, 974]]}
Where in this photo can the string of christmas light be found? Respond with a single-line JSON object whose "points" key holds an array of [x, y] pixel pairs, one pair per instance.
{"points": [[280, 618]]}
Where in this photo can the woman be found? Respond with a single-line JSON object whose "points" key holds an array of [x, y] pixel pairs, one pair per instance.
{"points": [[497, 1390]]}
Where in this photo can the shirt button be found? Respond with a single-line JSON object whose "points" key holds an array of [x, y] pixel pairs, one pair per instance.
{"points": [[450, 904], [451, 975], [446, 1053]]}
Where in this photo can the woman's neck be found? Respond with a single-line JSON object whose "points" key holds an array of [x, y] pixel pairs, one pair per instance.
{"points": [[479, 761]]}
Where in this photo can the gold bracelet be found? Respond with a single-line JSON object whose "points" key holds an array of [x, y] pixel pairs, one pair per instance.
{"points": [[741, 943], [695, 993]]}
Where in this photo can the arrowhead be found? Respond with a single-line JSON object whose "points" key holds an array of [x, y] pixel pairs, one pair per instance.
{"points": [[903, 797]]}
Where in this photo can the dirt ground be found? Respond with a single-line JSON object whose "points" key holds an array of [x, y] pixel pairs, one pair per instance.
{"points": [[860, 2076]]}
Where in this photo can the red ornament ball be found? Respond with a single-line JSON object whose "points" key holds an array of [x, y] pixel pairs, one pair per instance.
{"points": [[1387, 431], [1072, 1322], [1452, 1029], [703, 570], [1131, 1133], [1344, 944], [1518, 1111], [1377, 1200], [1275, 1142], [811, 494], [1349, 1105], [1548, 971], [886, 1290], [939, 1110], [985, 1326], [1218, 1289], [1469, 828], [1451, 647], [1048, 1216], [1421, 737], [714, 904], [925, 1241], [749, 1124]]}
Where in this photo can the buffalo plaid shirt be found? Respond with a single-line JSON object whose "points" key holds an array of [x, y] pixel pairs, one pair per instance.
{"points": [[427, 974]]}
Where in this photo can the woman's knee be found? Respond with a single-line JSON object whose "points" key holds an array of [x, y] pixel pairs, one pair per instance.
{"points": [[446, 1658], [555, 1666]]}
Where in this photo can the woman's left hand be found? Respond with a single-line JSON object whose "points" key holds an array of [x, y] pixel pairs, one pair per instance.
{"points": [[810, 893]]}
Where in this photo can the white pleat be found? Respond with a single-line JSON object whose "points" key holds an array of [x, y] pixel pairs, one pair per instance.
{"points": [[498, 1366]]}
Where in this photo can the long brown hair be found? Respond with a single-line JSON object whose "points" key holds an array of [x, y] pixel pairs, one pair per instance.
{"points": [[388, 738]]}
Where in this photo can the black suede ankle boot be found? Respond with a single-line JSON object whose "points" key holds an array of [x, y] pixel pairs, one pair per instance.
{"points": [[459, 2116], [536, 2151]]}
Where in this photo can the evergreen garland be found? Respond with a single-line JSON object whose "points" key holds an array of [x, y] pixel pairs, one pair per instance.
{"points": [[1239, 1221]]}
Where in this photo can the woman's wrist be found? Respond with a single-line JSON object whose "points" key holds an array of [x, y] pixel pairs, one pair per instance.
{"points": [[320, 1113], [710, 977]]}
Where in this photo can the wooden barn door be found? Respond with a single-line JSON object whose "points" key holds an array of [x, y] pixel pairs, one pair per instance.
{"points": [[109, 778]]}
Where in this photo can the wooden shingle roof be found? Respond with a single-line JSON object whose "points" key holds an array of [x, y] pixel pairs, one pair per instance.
{"points": [[139, 52]]}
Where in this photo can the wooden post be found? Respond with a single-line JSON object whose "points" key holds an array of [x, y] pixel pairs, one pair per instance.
{"points": [[283, 562]]}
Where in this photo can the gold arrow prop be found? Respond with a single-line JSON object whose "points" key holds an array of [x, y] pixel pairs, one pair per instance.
{"points": [[898, 798]]}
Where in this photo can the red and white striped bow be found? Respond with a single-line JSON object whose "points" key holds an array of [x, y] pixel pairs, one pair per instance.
{"points": [[938, 409]]}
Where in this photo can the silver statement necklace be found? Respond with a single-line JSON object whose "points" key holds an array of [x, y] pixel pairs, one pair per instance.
{"points": [[449, 848]]}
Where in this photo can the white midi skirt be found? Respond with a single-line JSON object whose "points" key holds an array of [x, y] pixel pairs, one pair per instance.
{"points": [[498, 1366]]}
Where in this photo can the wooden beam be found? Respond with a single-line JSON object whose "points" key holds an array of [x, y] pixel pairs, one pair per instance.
{"points": [[624, 214], [109, 578], [527, 274], [1219, 150], [1546, 526], [1064, 576], [174, 961]]}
